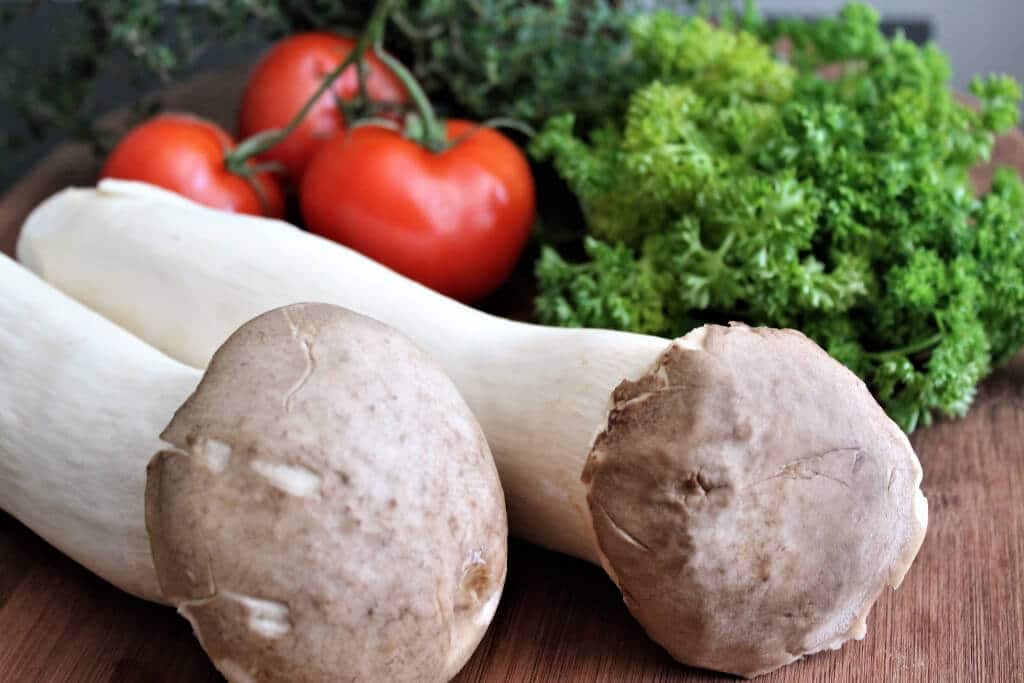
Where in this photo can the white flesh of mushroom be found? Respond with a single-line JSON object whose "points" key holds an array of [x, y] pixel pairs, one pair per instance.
{"points": [[81, 409]]}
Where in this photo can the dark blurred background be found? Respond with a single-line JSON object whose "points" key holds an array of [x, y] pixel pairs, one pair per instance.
{"points": [[980, 37]]}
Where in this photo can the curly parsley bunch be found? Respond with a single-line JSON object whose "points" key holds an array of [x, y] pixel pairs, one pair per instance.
{"points": [[741, 186]]}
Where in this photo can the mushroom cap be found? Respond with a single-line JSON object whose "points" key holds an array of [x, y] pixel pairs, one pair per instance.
{"points": [[330, 510], [752, 499]]}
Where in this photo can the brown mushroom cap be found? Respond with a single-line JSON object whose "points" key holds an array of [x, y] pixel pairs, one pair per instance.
{"points": [[752, 499], [331, 510]]}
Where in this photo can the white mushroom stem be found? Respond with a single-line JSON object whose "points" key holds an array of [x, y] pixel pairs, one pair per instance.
{"points": [[81, 409], [183, 278]]}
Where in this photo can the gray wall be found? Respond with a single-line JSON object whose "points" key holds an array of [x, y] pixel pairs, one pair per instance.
{"points": [[981, 36]]}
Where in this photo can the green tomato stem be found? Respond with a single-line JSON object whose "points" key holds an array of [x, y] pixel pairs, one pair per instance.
{"points": [[434, 136], [263, 141]]}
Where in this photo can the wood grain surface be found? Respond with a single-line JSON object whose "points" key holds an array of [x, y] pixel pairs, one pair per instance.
{"points": [[959, 616]]}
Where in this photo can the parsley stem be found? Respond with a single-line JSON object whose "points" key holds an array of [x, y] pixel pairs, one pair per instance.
{"points": [[909, 349]]}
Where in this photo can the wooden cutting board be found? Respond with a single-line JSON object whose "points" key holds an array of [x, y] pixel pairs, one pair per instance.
{"points": [[959, 616]]}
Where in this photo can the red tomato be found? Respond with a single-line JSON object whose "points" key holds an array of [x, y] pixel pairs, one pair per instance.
{"points": [[287, 77], [185, 154], [455, 220]]}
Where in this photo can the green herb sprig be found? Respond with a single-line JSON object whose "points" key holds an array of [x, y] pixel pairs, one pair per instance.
{"points": [[483, 59], [742, 186]]}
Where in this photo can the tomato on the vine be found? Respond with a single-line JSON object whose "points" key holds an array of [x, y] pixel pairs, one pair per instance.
{"points": [[455, 220], [187, 155], [289, 75]]}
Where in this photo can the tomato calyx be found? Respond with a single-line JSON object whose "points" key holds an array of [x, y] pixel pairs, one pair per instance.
{"points": [[424, 127], [414, 128]]}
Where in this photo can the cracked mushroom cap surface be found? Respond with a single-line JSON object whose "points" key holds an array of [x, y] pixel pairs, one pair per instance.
{"points": [[752, 499], [329, 509]]}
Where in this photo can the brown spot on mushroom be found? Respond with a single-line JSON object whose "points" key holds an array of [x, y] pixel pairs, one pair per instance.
{"points": [[476, 584]]}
